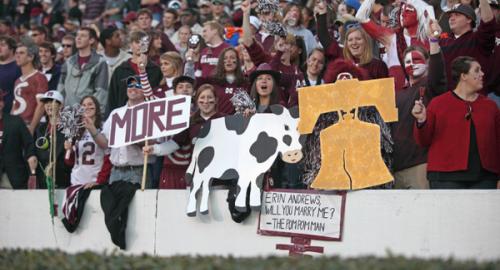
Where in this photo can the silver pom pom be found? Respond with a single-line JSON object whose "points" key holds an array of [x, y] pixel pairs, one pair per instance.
{"points": [[394, 18], [242, 101], [268, 6], [275, 28], [144, 43], [71, 121]]}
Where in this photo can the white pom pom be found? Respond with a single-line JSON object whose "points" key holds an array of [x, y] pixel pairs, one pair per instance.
{"points": [[242, 101], [71, 120]]}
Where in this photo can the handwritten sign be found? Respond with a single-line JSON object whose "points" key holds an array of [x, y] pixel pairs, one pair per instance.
{"points": [[149, 120], [310, 214]]}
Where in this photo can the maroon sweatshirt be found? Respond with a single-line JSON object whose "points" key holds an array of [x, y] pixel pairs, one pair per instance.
{"points": [[209, 57], [224, 92]]}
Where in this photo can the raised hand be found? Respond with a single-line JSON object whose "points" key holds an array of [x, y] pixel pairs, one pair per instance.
{"points": [[434, 30], [320, 7], [249, 112], [419, 111], [88, 123], [245, 7], [143, 62], [192, 55], [349, 17]]}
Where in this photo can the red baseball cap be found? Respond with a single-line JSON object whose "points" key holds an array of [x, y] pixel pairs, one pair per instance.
{"points": [[130, 17]]}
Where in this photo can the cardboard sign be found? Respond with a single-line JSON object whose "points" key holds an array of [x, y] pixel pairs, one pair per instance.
{"points": [[242, 148], [350, 149], [150, 120], [304, 213]]}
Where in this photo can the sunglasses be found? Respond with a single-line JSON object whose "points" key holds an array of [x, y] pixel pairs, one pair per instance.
{"points": [[67, 45], [468, 115], [350, 25], [134, 85]]}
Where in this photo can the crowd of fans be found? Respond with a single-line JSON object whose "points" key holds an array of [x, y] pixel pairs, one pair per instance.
{"points": [[442, 56]]}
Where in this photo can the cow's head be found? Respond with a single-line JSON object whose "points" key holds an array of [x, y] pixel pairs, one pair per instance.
{"points": [[289, 144]]}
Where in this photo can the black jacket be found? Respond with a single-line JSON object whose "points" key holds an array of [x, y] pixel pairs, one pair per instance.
{"points": [[63, 172], [407, 153], [55, 72], [17, 146]]}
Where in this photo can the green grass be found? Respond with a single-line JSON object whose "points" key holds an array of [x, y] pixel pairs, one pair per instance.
{"points": [[54, 259]]}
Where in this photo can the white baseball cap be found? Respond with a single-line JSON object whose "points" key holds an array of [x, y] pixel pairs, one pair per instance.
{"points": [[51, 95], [255, 22]]}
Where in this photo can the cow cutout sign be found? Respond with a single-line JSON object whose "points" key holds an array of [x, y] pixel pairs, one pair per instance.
{"points": [[243, 148]]}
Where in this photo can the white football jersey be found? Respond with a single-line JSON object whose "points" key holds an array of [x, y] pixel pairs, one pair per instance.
{"points": [[89, 158]]}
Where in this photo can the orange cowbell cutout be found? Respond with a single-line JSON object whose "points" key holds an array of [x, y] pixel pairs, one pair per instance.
{"points": [[350, 149]]}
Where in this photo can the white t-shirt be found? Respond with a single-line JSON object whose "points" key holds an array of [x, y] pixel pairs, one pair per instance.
{"points": [[89, 158]]}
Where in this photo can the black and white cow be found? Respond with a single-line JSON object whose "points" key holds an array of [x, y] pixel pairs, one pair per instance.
{"points": [[235, 147]]}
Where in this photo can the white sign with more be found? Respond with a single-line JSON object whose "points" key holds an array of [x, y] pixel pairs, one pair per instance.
{"points": [[149, 120], [305, 213]]}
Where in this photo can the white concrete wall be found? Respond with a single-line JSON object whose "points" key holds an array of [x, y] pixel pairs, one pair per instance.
{"points": [[462, 224]]}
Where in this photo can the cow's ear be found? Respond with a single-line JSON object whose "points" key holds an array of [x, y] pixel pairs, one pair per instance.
{"points": [[277, 109], [294, 112]]}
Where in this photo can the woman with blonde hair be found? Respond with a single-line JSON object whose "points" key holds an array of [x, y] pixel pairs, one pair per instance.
{"points": [[357, 47], [171, 68]]}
